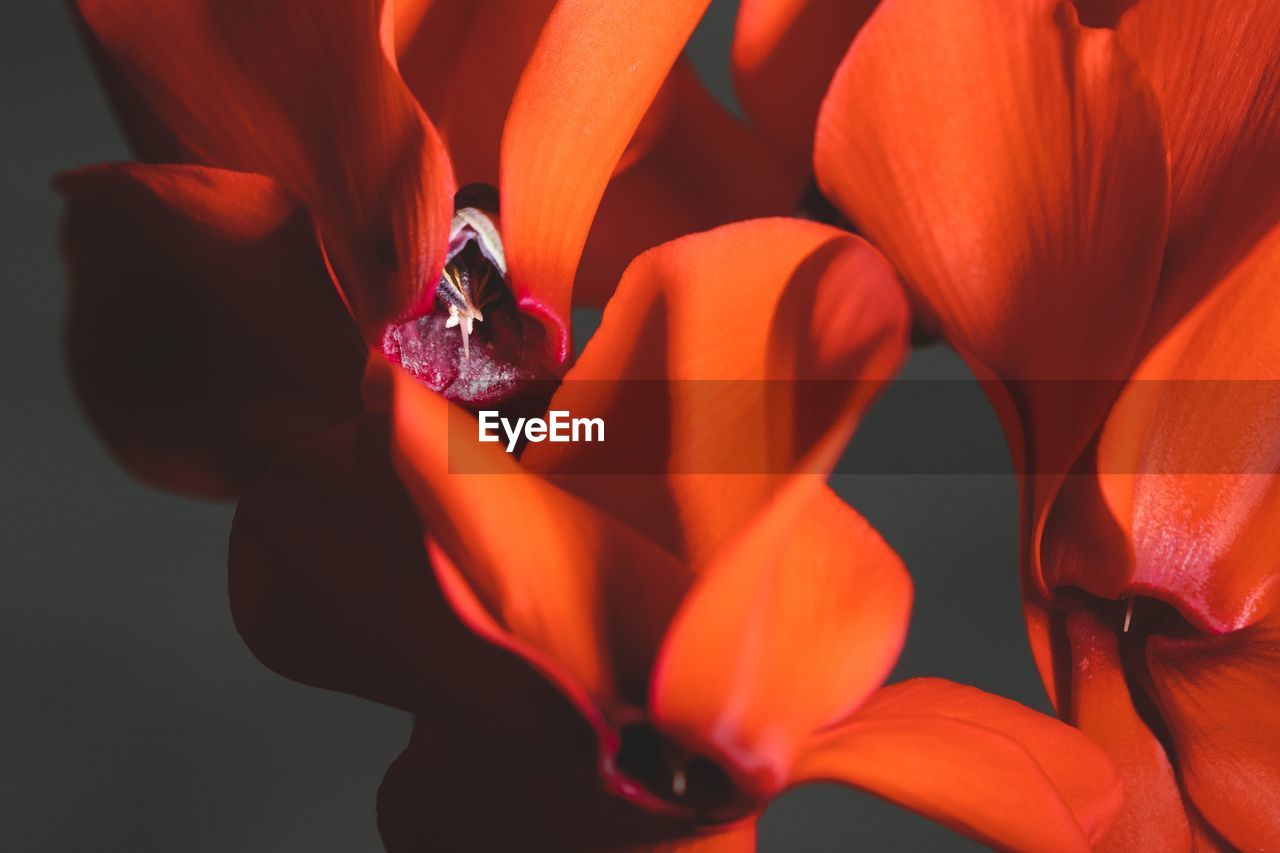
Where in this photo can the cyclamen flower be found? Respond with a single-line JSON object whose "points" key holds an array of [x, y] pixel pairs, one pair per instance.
{"points": [[232, 316], [1092, 218], [301, 214], [662, 653]]}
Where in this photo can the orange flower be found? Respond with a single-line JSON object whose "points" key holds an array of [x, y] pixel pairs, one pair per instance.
{"points": [[1092, 218], [304, 186], [667, 650]]}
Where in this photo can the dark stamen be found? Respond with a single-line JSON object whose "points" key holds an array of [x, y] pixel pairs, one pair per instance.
{"points": [[480, 196]]}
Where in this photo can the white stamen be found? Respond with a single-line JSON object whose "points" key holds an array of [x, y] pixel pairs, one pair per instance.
{"points": [[471, 223], [465, 315], [467, 322], [1128, 613], [679, 783]]}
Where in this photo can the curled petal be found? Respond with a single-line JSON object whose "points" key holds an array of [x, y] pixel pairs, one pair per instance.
{"points": [[724, 360], [787, 631], [305, 94], [985, 766], [205, 333], [592, 76]]}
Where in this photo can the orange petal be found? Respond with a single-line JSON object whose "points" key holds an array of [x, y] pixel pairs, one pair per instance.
{"points": [[593, 73], [464, 785], [205, 333], [330, 584], [463, 59], [1153, 818], [1011, 165], [306, 95], [984, 766], [528, 565], [725, 359], [1080, 544], [1214, 69], [788, 630], [1204, 839], [688, 176], [785, 53], [1221, 700], [1202, 416]]}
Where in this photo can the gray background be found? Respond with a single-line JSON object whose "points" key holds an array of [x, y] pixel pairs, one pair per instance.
{"points": [[133, 719]]}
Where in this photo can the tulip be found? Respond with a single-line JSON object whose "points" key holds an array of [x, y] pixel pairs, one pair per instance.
{"points": [[607, 661], [1089, 216], [298, 209]]}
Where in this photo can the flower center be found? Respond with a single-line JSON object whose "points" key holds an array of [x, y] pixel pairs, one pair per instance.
{"points": [[649, 764], [474, 345]]}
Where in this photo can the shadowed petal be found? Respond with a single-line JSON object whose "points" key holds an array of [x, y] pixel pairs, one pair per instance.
{"points": [[1102, 13], [1221, 699], [1152, 818], [463, 59], [697, 167], [205, 333], [1215, 68], [464, 786], [784, 55], [302, 93], [330, 583], [530, 566]]}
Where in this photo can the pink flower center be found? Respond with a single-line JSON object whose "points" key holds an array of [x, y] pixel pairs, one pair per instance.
{"points": [[475, 346]]}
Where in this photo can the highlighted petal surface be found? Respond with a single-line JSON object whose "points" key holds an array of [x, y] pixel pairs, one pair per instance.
{"points": [[1202, 416], [724, 360], [1011, 165], [787, 631], [592, 75], [205, 333]]}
